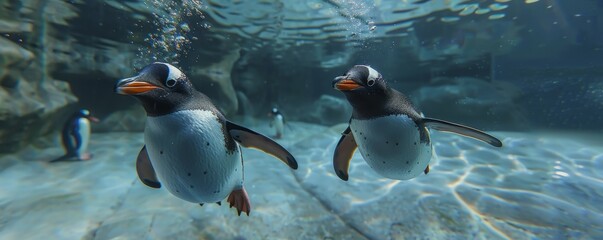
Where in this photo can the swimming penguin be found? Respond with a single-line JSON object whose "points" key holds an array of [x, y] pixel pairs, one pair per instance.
{"points": [[75, 136], [190, 147], [278, 122], [390, 133]]}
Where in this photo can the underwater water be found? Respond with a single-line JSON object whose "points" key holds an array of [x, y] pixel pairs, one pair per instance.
{"points": [[527, 72]]}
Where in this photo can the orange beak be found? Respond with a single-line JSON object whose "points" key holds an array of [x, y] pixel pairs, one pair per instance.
{"points": [[134, 87], [346, 85], [93, 119]]}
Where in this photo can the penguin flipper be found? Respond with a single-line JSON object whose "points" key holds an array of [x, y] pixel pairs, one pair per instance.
{"points": [[445, 126], [145, 170], [249, 138], [343, 154]]}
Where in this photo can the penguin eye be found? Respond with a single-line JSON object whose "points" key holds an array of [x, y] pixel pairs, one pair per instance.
{"points": [[170, 82], [370, 82]]}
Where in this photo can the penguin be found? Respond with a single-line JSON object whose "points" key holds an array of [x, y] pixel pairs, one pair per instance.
{"points": [[190, 147], [390, 133], [278, 122], [75, 136]]}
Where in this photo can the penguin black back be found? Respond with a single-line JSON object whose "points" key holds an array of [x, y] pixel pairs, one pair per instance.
{"points": [[69, 137]]}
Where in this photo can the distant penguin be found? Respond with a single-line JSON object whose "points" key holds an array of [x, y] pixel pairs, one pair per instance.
{"points": [[75, 136], [278, 122], [390, 133], [190, 147]]}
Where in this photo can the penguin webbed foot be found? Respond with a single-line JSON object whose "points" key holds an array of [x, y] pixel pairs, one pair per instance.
{"points": [[240, 200], [85, 156], [426, 171]]}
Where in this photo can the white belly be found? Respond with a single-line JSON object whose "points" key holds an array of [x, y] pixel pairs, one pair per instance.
{"points": [[84, 131], [279, 125], [392, 146], [189, 155]]}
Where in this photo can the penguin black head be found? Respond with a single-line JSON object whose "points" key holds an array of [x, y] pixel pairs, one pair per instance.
{"points": [[160, 87], [156, 79], [368, 93], [360, 78], [275, 111]]}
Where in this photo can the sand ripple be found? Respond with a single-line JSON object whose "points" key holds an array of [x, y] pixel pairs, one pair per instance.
{"points": [[546, 186]]}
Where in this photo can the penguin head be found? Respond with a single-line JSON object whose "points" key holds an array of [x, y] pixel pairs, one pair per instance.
{"points": [[85, 113], [360, 78], [159, 86], [155, 80], [275, 111]]}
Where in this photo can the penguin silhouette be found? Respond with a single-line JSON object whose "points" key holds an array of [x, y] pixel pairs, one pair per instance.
{"points": [[390, 133], [190, 147], [75, 136]]}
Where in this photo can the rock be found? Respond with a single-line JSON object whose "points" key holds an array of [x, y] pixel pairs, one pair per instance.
{"points": [[472, 102], [128, 120], [34, 43], [45, 41], [220, 73], [115, 61], [31, 101], [10, 26], [9, 81], [329, 110]]}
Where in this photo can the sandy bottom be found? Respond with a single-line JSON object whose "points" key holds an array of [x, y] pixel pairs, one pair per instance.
{"points": [[539, 185]]}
